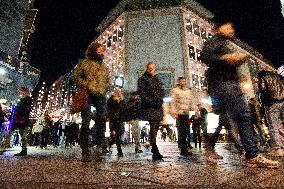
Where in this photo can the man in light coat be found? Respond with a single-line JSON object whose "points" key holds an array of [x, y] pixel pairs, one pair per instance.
{"points": [[181, 105]]}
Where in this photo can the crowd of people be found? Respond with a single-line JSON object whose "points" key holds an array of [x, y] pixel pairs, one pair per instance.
{"points": [[236, 115]]}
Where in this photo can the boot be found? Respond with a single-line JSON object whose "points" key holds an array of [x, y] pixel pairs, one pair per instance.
{"points": [[156, 154], [119, 151], [22, 153], [185, 152]]}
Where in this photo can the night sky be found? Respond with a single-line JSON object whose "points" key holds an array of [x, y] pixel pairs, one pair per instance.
{"points": [[64, 28]]}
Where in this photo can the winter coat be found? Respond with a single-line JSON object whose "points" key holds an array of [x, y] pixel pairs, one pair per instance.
{"points": [[181, 101], [151, 93], [116, 114], [133, 108], [92, 75], [22, 110], [116, 109]]}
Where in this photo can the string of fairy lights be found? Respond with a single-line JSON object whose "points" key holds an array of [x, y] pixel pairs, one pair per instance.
{"points": [[51, 99]]}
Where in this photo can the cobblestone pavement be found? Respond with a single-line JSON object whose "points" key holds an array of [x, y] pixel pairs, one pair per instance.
{"points": [[62, 168]]}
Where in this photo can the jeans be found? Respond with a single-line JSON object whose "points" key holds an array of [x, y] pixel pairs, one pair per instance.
{"points": [[275, 124], [227, 98], [99, 102]]}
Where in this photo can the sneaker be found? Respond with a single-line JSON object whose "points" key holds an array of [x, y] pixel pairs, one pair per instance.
{"points": [[262, 162], [120, 154], [277, 153], [186, 153], [22, 153], [157, 157]]}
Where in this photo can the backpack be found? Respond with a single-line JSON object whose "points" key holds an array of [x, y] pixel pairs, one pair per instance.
{"points": [[271, 87]]}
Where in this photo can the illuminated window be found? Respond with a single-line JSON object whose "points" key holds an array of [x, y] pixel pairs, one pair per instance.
{"points": [[120, 33], [196, 29], [198, 52], [189, 26], [203, 83], [114, 36], [203, 33], [109, 41], [191, 51], [195, 81]]}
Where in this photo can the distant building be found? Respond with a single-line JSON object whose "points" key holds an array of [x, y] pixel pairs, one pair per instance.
{"points": [[16, 29], [280, 70], [171, 34]]}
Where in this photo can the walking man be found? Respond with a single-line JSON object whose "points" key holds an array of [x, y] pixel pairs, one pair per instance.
{"points": [[225, 91], [181, 105]]}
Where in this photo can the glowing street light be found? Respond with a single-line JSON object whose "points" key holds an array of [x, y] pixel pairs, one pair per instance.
{"points": [[2, 71]]}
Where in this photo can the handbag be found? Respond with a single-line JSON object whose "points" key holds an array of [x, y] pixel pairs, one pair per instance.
{"points": [[80, 101], [19, 120]]}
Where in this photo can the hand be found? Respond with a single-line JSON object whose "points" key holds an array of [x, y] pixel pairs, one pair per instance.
{"points": [[234, 58]]}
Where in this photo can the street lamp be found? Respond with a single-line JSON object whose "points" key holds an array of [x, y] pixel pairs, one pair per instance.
{"points": [[2, 71]]}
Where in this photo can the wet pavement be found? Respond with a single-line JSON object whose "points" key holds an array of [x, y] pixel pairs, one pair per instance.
{"points": [[62, 168]]}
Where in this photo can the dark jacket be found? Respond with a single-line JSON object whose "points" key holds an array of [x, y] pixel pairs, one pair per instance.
{"points": [[133, 109], [23, 110], [219, 70], [115, 109], [151, 93]]}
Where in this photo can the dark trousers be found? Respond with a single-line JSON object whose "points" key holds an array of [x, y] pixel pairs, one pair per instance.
{"points": [[99, 102], [232, 136], [183, 131], [116, 131], [227, 98], [154, 127], [197, 136], [44, 138]]}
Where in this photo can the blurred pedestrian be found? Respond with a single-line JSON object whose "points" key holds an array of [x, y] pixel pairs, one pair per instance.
{"points": [[92, 75], [151, 92], [115, 108], [20, 119], [224, 89]]}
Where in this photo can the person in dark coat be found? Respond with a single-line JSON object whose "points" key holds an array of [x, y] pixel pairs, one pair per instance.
{"points": [[151, 93], [224, 89], [20, 119], [115, 109]]}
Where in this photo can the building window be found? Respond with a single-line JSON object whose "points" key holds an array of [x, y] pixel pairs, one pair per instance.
{"points": [[189, 26], [191, 51], [109, 42], [203, 83], [198, 52], [120, 33], [114, 36], [196, 29], [203, 33], [210, 35], [195, 81]]}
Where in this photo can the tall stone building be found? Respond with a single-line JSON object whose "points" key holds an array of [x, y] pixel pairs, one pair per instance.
{"points": [[171, 34]]}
